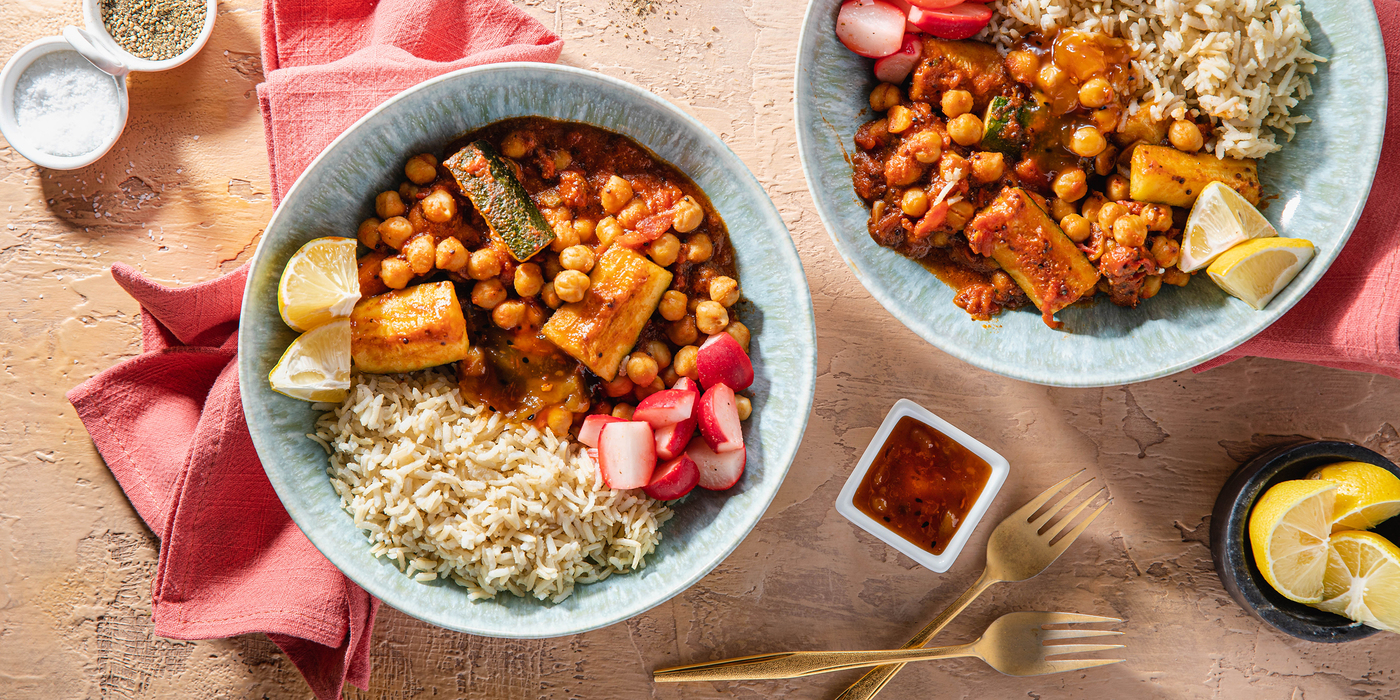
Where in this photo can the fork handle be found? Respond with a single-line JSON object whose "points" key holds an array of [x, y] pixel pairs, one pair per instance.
{"points": [[795, 664], [871, 683]]}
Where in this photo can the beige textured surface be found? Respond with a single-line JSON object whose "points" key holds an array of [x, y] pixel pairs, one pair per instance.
{"points": [[182, 198]]}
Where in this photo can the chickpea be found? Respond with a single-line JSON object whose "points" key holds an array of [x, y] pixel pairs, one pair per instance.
{"points": [[641, 368], [607, 231], [515, 146], [683, 332], [659, 352], [409, 191], [395, 232], [528, 280], [421, 254], [988, 166], [450, 255], [584, 228], [565, 236], [665, 249], [1087, 142], [644, 390], [633, 213], [1158, 217], [745, 407], [724, 290], [1175, 277], [1050, 77], [508, 314], [616, 194], [1091, 205], [439, 207], [914, 202], [1165, 251], [1023, 66], [698, 248], [1096, 93], [562, 159], [421, 169], [966, 130], [669, 377], [740, 332], [926, 146], [1185, 136], [395, 272], [1059, 208], [1106, 160], [684, 362], [1151, 285], [900, 119], [389, 204], [1076, 227], [1117, 188], [623, 411], [488, 293], [571, 285], [689, 215], [673, 305], [1071, 185], [959, 213], [952, 167], [884, 96], [549, 297], [1109, 213], [956, 103], [1130, 230], [559, 420], [369, 232], [711, 317], [577, 257], [485, 264]]}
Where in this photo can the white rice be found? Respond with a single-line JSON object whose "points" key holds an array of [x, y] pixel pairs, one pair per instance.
{"points": [[1243, 63], [446, 489]]}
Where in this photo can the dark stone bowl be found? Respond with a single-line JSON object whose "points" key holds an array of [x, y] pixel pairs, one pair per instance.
{"points": [[1234, 558]]}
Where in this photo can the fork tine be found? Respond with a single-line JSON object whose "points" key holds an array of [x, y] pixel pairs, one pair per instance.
{"points": [[1069, 517], [1064, 618], [1026, 511], [1062, 649], [1076, 634], [1062, 665], [1060, 504], [1059, 547]]}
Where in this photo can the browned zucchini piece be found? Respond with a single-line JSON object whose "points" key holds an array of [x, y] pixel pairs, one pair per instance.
{"points": [[1164, 175], [602, 328], [1014, 231], [408, 329], [490, 183]]}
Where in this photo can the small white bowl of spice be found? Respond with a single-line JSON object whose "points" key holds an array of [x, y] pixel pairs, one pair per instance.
{"points": [[149, 35]]}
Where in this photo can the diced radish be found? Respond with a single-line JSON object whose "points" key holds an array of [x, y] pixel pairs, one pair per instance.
{"points": [[718, 470], [687, 384], [672, 439], [935, 4], [592, 425], [957, 22], [673, 479], [903, 6], [719, 419], [897, 66], [666, 407], [871, 28], [627, 454], [722, 360]]}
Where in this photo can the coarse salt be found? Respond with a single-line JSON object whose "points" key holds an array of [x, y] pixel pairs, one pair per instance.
{"points": [[65, 106]]}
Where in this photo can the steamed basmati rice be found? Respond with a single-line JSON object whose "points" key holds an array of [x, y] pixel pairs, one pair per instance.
{"points": [[446, 489], [1243, 63]]}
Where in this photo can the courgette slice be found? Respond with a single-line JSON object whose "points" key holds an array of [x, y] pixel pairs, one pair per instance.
{"points": [[489, 182], [1004, 126]]}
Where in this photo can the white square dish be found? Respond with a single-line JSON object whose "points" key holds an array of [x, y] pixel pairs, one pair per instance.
{"points": [[845, 503]]}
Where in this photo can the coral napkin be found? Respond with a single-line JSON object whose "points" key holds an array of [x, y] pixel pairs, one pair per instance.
{"points": [[1351, 318]]}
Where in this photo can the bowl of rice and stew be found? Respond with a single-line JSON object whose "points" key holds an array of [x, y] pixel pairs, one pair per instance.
{"points": [[1089, 193], [520, 377]]}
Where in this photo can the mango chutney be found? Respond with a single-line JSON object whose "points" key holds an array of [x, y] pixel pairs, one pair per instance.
{"points": [[922, 484]]}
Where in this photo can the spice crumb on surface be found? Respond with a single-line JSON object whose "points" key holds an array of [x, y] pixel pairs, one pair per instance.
{"points": [[155, 30]]}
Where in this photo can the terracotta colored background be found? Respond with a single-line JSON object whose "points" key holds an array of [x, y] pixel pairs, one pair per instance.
{"points": [[182, 197]]}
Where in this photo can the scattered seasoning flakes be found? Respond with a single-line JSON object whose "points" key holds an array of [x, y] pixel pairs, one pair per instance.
{"points": [[155, 30]]}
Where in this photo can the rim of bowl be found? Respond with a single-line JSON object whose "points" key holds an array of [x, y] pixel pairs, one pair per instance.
{"points": [[787, 249], [92, 18], [9, 78], [1100, 378]]}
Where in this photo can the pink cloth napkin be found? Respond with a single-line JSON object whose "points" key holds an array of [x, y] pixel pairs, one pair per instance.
{"points": [[1351, 318]]}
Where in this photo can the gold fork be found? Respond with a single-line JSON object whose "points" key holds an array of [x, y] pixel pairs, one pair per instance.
{"points": [[1016, 551], [1014, 644]]}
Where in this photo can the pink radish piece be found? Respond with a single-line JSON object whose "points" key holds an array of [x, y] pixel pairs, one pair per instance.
{"points": [[903, 6], [718, 470], [627, 454], [673, 479], [719, 419], [871, 28], [666, 407], [897, 66], [957, 22], [592, 425], [721, 360], [935, 4], [672, 439], [687, 384]]}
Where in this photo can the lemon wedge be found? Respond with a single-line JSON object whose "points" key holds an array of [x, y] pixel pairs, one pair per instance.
{"points": [[320, 283], [1254, 271], [1367, 495], [316, 367], [1363, 579], [1220, 220], [1288, 531]]}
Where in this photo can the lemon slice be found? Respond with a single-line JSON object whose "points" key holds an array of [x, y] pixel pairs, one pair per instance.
{"points": [[1363, 579], [1367, 495], [320, 283], [1288, 531], [1254, 271], [1220, 220], [316, 367]]}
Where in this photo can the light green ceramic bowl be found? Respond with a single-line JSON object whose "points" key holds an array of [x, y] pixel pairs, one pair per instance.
{"points": [[1321, 180], [337, 191]]}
